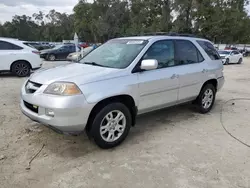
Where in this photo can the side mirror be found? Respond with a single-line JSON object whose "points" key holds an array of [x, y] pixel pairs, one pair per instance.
{"points": [[149, 64]]}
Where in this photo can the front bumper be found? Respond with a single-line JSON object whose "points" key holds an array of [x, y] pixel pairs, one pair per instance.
{"points": [[70, 112]]}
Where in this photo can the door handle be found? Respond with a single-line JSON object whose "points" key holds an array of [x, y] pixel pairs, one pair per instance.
{"points": [[174, 76], [204, 70]]}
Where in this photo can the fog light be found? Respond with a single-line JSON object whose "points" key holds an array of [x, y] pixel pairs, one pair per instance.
{"points": [[49, 112]]}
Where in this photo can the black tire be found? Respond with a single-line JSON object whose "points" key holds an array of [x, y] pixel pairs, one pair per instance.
{"points": [[227, 62], [100, 118], [51, 57], [201, 106], [21, 68], [240, 61]]}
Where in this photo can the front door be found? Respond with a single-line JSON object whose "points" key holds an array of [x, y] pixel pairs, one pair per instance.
{"points": [[159, 88], [8, 53], [235, 57]]}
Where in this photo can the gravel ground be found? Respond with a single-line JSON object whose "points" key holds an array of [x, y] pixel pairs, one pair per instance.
{"points": [[176, 148]]}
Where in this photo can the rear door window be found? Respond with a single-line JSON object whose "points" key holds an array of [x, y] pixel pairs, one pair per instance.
{"points": [[186, 53], [9, 46], [209, 49]]}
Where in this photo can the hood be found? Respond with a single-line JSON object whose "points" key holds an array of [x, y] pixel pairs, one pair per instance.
{"points": [[75, 72]]}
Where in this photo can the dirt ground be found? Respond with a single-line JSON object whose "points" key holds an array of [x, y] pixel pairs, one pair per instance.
{"points": [[176, 148]]}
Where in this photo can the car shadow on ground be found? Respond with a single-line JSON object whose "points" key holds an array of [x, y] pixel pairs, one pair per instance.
{"points": [[79, 146]]}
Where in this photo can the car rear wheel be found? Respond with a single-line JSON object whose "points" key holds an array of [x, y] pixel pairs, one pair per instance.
{"points": [[206, 98], [227, 62], [21, 68], [51, 57], [240, 61], [111, 125]]}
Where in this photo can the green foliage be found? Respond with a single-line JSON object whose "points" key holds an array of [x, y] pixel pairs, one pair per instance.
{"points": [[224, 21]]}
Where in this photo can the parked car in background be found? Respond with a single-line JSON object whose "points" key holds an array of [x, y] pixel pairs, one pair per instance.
{"points": [[75, 56], [244, 52], [37, 45], [231, 56], [59, 52], [231, 48], [83, 45], [105, 91], [18, 58]]}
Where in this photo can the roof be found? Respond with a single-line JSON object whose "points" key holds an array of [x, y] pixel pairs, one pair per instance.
{"points": [[161, 37], [228, 50]]}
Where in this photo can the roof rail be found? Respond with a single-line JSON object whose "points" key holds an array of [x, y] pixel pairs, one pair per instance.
{"points": [[169, 34]]}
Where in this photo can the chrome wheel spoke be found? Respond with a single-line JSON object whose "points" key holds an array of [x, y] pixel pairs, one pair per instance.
{"points": [[119, 117], [111, 136], [109, 117], [120, 128], [104, 129]]}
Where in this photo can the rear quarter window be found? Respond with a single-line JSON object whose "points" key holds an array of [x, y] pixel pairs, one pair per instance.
{"points": [[209, 49]]}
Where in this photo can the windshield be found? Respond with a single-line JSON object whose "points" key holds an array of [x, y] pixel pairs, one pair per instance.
{"points": [[29, 45], [58, 46], [224, 52], [116, 53]]}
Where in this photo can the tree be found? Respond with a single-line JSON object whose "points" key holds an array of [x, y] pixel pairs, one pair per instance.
{"points": [[218, 20]]}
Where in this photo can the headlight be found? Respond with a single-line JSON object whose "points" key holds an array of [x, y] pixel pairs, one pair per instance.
{"points": [[63, 88]]}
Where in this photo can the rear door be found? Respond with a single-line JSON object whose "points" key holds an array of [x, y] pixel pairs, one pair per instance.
{"points": [[235, 56], [8, 54], [191, 67], [213, 61], [63, 52]]}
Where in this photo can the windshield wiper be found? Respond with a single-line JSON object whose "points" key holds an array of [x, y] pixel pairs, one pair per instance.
{"points": [[94, 64]]}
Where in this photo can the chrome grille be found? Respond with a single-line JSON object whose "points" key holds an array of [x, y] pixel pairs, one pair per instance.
{"points": [[32, 87]]}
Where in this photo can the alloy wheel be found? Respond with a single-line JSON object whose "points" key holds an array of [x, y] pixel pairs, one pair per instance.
{"points": [[207, 98], [113, 126], [21, 69]]}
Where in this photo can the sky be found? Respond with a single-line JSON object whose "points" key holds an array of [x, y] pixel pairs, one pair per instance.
{"points": [[9, 8]]}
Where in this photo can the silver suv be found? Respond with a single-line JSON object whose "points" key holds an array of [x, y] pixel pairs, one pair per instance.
{"points": [[105, 91]]}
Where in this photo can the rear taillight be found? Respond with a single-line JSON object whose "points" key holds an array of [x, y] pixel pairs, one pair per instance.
{"points": [[36, 52]]}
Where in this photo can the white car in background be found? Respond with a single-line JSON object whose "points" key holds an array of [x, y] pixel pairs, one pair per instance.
{"points": [[231, 56], [18, 58]]}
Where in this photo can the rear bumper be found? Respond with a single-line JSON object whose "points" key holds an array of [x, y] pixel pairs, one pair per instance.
{"points": [[221, 82]]}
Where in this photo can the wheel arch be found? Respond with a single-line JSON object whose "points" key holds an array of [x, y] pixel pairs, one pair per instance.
{"points": [[20, 60], [213, 81], [125, 99]]}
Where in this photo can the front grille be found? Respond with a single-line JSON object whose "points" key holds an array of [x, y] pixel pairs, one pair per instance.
{"points": [[31, 107], [31, 87]]}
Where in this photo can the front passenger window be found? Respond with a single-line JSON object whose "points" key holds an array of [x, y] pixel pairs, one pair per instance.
{"points": [[163, 52]]}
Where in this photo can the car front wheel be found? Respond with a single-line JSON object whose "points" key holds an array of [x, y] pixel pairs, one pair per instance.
{"points": [[226, 62], [111, 125], [240, 61]]}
